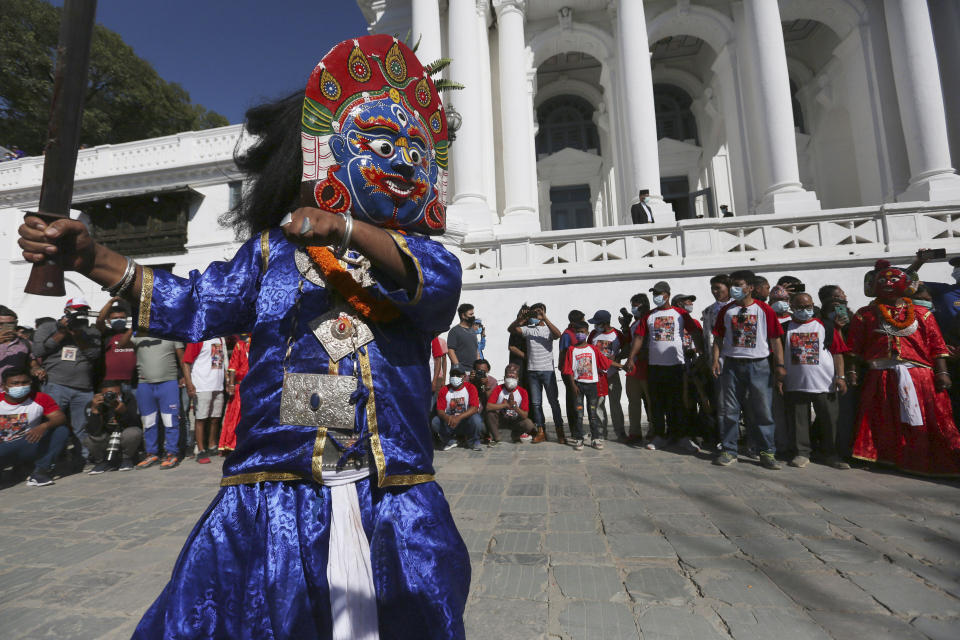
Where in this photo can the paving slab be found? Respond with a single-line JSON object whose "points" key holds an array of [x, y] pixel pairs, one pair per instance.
{"points": [[677, 623], [598, 621]]}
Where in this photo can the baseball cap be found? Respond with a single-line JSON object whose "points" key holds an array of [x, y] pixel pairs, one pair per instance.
{"points": [[681, 298], [600, 317], [458, 370], [77, 303], [660, 287]]}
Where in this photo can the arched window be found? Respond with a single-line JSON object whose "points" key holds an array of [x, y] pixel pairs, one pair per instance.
{"points": [[566, 121], [674, 118]]}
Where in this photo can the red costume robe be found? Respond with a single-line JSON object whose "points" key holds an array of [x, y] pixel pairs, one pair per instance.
{"points": [[240, 365], [931, 449]]}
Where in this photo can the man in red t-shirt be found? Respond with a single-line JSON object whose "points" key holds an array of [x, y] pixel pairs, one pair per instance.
{"points": [[508, 407], [119, 362], [458, 411], [747, 333], [586, 364], [32, 427]]}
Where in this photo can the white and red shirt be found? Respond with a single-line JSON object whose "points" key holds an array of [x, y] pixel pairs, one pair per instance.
{"points": [[744, 331], [585, 363], [608, 342], [808, 359], [456, 401], [208, 360], [500, 394], [17, 419], [665, 328]]}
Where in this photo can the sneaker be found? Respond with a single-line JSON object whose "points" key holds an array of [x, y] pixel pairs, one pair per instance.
{"points": [[170, 461], [493, 443], [451, 444], [525, 438], [148, 462], [799, 462], [725, 459], [98, 468], [688, 445], [126, 465], [768, 461], [203, 458], [651, 446], [598, 444], [38, 479], [578, 445], [477, 446], [837, 463]]}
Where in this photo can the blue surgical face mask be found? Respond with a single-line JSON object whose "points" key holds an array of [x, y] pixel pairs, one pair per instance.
{"points": [[18, 393], [533, 322], [737, 293], [660, 300], [119, 324], [581, 337], [802, 315], [635, 311], [927, 304], [781, 306], [456, 381]]}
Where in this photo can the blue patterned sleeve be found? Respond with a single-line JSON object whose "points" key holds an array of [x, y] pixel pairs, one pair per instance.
{"points": [[433, 304], [218, 302]]}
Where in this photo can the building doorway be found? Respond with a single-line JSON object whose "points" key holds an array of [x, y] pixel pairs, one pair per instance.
{"points": [[570, 207]]}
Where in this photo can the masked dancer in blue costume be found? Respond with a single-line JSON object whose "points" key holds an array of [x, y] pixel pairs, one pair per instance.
{"points": [[328, 523]]}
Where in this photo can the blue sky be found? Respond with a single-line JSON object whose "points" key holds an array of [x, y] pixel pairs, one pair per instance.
{"points": [[231, 54]]}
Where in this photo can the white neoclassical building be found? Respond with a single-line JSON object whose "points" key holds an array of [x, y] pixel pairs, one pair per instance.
{"points": [[787, 136]]}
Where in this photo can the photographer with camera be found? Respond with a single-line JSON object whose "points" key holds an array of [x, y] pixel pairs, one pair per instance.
{"points": [[70, 349], [113, 428], [119, 362]]}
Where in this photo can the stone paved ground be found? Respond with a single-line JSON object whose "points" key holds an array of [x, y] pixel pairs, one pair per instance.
{"points": [[620, 543]]}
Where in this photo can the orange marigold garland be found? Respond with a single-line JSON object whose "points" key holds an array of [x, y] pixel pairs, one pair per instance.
{"points": [[366, 304], [888, 317]]}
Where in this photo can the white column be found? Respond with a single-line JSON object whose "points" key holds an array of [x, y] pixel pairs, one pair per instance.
{"points": [[519, 173], [468, 207], [773, 126], [916, 75], [489, 151], [641, 120], [426, 28]]}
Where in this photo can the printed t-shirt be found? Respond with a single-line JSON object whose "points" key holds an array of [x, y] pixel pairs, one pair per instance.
{"points": [[456, 401], [500, 394], [808, 360], [664, 329], [207, 358], [119, 363], [585, 363], [539, 347], [156, 359], [608, 342], [17, 419], [744, 331]]}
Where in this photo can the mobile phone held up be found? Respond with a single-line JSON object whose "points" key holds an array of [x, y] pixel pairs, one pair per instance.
{"points": [[932, 254]]}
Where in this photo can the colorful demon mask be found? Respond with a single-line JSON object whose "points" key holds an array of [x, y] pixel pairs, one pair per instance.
{"points": [[374, 137], [890, 281]]}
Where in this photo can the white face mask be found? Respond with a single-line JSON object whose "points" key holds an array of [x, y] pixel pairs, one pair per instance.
{"points": [[510, 383], [18, 393], [456, 381], [660, 300], [803, 315], [781, 306], [689, 308], [737, 293]]}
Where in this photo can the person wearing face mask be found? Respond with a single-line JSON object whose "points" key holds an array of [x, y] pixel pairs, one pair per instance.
{"points": [[70, 349], [32, 427], [119, 362], [462, 345], [458, 412], [746, 334], [567, 339], [609, 340], [585, 364], [814, 362], [780, 303], [508, 407], [662, 330], [638, 395], [540, 334]]}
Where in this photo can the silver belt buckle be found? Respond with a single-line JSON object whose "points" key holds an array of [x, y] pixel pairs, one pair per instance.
{"points": [[317, 400]]}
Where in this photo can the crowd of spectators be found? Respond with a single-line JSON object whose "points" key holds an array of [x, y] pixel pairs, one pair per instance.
{"points": [[762, 370], [81, 392]]}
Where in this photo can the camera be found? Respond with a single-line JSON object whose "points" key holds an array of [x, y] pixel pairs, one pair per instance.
{"points": [[932, 254], [111, 399], [76, 318]]}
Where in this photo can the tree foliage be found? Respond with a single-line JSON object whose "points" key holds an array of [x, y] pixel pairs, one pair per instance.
{"points": [[126, 99]]}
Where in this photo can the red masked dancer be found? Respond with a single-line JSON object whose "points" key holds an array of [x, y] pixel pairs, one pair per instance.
{"points": [[904, 416], [239, 365]]}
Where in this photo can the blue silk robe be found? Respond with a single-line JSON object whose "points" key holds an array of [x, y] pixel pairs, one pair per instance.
{"points": [[255, 564]]}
